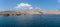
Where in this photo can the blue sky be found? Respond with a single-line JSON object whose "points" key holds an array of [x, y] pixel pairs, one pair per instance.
{"points": [[44, 4]]}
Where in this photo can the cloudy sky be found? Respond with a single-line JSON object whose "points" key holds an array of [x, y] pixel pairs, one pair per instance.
{"points": [[29, 4]]}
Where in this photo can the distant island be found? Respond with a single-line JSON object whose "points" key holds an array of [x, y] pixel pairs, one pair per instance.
{"points": [[24, 12]]}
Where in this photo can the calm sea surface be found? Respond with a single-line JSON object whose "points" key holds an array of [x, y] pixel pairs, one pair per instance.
{"points": [[30, 21]]}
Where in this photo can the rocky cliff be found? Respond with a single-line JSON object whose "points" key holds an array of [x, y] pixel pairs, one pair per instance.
{"points": [[36, 11], [52, 12]]}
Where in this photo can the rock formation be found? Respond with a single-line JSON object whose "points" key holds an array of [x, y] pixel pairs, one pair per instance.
{"points": [[36, 11], [52, 12]]}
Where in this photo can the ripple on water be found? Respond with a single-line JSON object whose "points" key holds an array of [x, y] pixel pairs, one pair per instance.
{"points": [[30, 21]]}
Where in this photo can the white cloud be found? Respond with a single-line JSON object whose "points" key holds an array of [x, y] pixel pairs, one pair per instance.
{"points": [[24, 6]]}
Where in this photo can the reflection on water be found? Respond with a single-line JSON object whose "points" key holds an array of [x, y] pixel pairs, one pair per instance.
{"points": [[30, 21]]}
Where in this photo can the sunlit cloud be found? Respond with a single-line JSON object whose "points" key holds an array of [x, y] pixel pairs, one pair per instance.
{"points": [[24, 6]]}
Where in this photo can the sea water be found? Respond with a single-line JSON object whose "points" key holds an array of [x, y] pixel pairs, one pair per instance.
{"points": [[30, 21]]}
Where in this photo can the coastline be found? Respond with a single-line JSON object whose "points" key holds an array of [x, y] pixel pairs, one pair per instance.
{"points": [[37, 11]]}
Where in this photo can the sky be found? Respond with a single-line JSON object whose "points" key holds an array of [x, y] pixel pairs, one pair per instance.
{"points": [[29, 4]]}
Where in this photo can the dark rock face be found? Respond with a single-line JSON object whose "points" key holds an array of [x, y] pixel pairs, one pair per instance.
{"points": [[6, 15]]}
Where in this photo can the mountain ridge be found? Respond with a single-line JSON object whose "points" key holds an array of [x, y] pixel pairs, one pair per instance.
{"points": [[36, 11]]}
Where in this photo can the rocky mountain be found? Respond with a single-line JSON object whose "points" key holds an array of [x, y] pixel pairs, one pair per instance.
{"points": [[36, 11], [52, 12]]}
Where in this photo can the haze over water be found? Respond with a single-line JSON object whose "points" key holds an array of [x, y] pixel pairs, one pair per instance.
{"points": [[30, 21]]}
